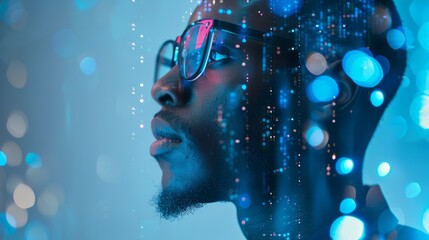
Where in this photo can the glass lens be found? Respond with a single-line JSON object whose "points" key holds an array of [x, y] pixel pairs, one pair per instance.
{"points": [[165, 59], [193, 49]]}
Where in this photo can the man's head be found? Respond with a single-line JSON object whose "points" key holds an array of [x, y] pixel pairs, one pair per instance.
{"points": [[275, 114]]}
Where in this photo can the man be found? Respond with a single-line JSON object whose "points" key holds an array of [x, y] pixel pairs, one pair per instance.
{"points": [[268, 105]]}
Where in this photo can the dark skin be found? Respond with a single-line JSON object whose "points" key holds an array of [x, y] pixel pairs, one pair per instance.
{"points": [[220, 156]]}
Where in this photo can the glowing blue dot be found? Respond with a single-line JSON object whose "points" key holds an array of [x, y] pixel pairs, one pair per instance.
{"points": [[3, 159], [243, 25], [363, 69], [64, 43], [244, 87], [221, 11], [423, 36], [33, 160], [347, 206], [323, 89], [85, 4], [315, 136], [243, 40], [426, 220], [413, 190], [88, 65], [229, 12], [395, 38], [377, 98], [344, 166], [419, 111], [383, 169], [347, 228], [244, 200]]}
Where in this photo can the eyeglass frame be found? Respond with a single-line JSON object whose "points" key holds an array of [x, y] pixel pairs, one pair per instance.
{"points": [[240, 30]]}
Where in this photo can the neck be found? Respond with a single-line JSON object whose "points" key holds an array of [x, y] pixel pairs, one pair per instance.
{"points": [[304, 216]]}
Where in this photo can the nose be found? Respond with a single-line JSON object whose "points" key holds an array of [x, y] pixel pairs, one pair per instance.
{"points": [[170, 90]]}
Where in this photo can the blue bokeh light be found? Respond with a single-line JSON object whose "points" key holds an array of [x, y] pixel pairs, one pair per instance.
{"points": [[36, 230], [377, 98], [3, 159], [315, 136], [384, 63], [396, 38], [344, 165], [244, 200], [285, 8], [85, 4], [347, 206], [422, 81], [323, 89], [413, 190], [383, 169], [347, 228], [33, 160], [363, 69], [426, 220], [419, 111], [423, 36], [5, 227], [88, 65]]}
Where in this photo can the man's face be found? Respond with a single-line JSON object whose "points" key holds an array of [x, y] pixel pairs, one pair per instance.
{"points": [[200, 121]]}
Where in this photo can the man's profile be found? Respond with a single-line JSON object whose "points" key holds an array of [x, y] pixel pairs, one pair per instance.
{"points": [[270, 105]]}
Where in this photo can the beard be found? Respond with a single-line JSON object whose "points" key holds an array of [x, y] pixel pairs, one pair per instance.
{"points": [[173, 203]]}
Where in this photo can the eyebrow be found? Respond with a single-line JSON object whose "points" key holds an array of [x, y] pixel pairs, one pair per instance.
{"points": [[265, 37]]}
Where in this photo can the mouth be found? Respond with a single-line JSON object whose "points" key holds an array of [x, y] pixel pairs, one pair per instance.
{"points": [[166, 137]]}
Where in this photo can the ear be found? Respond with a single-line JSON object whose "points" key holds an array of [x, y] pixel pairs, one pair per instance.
{"points": [[343, 101], [348, 90]]}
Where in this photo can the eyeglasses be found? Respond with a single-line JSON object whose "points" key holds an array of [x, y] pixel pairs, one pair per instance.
{"points": [[193, 48]]}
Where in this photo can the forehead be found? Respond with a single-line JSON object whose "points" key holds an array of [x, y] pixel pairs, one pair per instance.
{"points": [[255, 16]]}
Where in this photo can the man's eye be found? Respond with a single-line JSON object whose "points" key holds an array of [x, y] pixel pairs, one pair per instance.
{"points": [[218, 53]]}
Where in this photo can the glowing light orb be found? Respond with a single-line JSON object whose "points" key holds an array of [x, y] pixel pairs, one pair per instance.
{"points": [[383, 169], [17, 124], [285, 8], [426, 220], [316, 63], [423, 36], [17, 74], [344, 166], [422, 81], [16, 216], [413, 190], [36, 230], [347, 206], [323, 89], [33, 160], [315, 136], [377, 98], [7, 228], [85, 4], [347, 228], [88, 65], [419, 111], [363, 69], [24, 196], [3, 159], [244, 200], [395, 39], [13, 153]]}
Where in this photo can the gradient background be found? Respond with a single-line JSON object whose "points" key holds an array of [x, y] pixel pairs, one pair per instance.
{"points": [[75, 79]]}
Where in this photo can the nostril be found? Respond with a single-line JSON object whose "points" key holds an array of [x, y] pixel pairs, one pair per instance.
{"points": [[166, 99]]}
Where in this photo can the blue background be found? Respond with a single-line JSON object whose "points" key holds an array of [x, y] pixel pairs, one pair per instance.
{"points": [[75, 79]]}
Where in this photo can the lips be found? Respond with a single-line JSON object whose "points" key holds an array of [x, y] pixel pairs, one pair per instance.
{"points": [[166, 137]]}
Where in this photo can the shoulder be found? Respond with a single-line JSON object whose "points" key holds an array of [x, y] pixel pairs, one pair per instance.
{"points": [[406, 233]]}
